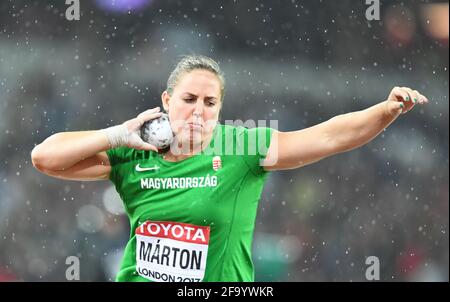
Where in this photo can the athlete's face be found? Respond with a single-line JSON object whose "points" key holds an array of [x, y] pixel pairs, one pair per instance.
{"points": [[194, 105]]}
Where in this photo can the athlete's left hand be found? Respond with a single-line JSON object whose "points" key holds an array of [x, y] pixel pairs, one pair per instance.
{"points": [[403, 99]]}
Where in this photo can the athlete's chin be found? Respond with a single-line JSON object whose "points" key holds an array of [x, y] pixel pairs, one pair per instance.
{"points": [[193, 137], [193, 134]]}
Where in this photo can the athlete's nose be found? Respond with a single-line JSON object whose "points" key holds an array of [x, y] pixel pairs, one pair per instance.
{"points": [[198, 110]]}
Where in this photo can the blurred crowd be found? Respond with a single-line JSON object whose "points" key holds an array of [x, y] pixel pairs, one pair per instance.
{"points": [[297, 62]]}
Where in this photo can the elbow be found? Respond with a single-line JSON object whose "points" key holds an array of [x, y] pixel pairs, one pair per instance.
{"points": [[41, 159], [37, 158]]}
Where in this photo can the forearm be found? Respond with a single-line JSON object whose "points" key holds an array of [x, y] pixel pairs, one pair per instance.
{"points": [[351, 130], [63, 150]]}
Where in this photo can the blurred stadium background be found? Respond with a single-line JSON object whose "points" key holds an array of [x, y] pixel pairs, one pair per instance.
{"points": [[298, 62]]}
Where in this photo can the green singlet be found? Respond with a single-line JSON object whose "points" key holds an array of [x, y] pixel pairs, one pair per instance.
{"points": [[192, 220]]}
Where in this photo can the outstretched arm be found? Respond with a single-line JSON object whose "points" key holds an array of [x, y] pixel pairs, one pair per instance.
{"points": [[290, 150]]}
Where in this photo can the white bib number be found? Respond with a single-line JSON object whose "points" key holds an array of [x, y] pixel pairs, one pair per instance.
{"points": [[171, 251]]}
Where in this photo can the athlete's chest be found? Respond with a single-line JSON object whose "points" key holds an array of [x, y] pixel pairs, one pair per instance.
{"points": [[203, 188], [154, 176]]}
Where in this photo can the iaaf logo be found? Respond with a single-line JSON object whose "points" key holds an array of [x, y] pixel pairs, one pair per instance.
{"points": [[216, 163]]}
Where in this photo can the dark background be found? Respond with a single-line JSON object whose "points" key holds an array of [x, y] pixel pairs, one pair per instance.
{"points": [[297, 62]]}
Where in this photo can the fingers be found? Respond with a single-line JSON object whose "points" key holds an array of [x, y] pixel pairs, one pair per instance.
{"points": [[147, 147], [137, 122], [413, 96], [400, 94], [149, 115], [422, 99], [406, 98], [153, 110]]}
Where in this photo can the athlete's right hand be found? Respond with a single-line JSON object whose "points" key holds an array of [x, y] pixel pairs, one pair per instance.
{"points": [[128, 133], [134, 129]]}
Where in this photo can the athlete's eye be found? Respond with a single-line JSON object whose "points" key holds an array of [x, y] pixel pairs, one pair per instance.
{"points": [[189, 100], [210, 104]]}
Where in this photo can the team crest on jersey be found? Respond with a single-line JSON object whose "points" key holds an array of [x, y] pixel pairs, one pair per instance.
{"points": [[216, 163]]}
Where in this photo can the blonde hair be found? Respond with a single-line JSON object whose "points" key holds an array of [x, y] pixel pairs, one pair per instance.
{"points": [[193, 62]]}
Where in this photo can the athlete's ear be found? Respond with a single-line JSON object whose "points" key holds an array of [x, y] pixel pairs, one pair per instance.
{"points": [[165, 98]]}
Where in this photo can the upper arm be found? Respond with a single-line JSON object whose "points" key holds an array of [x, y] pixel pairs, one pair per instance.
{"points": [[289, 150], [96, 167]]}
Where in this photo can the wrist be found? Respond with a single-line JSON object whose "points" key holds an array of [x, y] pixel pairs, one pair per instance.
{"points": [[117, 135]]}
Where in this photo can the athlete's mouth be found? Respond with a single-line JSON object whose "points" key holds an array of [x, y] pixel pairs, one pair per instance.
{"points": [[195, 125]]}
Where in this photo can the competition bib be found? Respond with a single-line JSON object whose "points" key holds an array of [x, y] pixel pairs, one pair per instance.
{"points": [[171, 251]]}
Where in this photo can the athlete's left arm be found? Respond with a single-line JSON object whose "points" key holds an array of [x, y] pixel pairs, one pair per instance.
{"points": [[289, 150]]}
